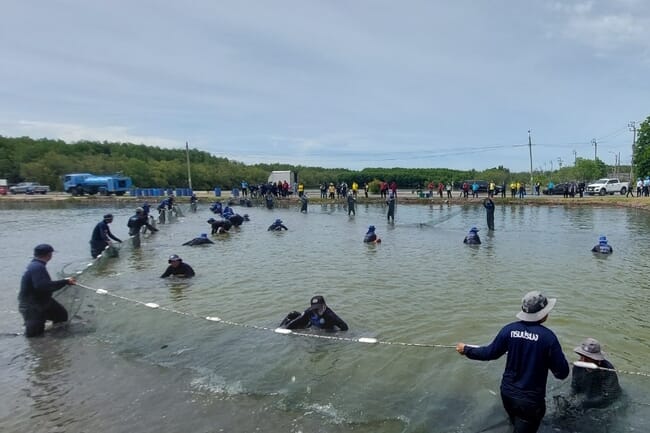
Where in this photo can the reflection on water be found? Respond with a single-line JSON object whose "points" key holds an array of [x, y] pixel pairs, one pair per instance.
{"points": [[420, 285]]}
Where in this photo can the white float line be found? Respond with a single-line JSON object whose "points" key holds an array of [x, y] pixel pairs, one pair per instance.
{"points": [[281, 331], [592, 366]]}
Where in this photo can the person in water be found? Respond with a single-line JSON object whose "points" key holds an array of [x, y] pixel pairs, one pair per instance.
{"points": [[594, 388], [277, 226], [102, 236], [488, 204], [219, 226], [371, 236], [472, 237], [602, 247], [203, 239], [35, 301], [391, 207], [532, 350], [138, 220], [351, 201], [178, 268], [304, 201], [318, 315]]}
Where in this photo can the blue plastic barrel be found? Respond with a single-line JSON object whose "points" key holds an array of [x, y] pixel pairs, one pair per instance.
{"points": [[217, 191], [235, 192]]}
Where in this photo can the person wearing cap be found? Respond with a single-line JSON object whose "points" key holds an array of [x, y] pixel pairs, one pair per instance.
{"points": [[277, 226], [135, 223], [532, 350], [488, 204], [318, 315], [602, 247], [472, 237], [101, 236], [200, 240], [178, 268], [35, 301], [370, 236], [219, 226], [594, 388]]}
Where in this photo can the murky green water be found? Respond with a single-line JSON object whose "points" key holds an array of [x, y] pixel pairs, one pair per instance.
{"points": [[121, 366]]}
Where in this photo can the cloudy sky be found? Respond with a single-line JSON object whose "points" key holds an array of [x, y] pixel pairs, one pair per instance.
{"points": [[333, 83]]}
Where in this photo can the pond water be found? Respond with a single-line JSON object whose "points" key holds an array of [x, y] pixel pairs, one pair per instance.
{"points": [[121, 366]]}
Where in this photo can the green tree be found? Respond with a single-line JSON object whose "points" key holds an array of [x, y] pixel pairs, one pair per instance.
{"points": [[588, 169], [642, 150]]}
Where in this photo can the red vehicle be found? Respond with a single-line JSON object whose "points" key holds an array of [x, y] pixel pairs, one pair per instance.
{"points": [[3, 187]]}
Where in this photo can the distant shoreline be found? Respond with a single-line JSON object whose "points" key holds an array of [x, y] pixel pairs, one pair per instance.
{"points": [[643, 203]]}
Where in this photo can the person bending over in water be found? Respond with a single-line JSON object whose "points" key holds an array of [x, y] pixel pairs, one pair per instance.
{"points": [[178, 268], [472, 237], [370, 236], [277, 226], [603, 247], [219, 226], [318, 315], [203, 239]]}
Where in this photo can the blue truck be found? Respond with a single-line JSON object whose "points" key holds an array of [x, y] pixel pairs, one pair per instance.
{"points": [[86, 183]]}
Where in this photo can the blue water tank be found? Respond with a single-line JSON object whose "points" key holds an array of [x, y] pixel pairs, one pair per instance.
{"points": [[217, 191], [235, 192]]}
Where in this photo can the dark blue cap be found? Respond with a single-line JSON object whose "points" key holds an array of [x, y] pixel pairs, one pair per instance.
{"points": [[42, 249]]}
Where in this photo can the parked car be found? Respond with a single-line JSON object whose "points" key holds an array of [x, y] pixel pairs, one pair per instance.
{"points": [[558, 189], [607, 186], [3, 187], [29, 188]]}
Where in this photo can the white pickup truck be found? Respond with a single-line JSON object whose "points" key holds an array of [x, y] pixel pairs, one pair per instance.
{"points": [[607, 186]]}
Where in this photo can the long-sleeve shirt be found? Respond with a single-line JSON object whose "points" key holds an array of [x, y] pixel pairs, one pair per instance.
{"points": [[102, 233], [36, 286], [595, 388], [328, 320], [182, 270], [532, 350]]}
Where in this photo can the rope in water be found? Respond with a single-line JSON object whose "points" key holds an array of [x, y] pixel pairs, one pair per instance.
{"points": [[283, 331]]}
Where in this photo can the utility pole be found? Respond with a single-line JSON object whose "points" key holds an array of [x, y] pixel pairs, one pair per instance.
{"points": [[595, 143], [575, 157], [189, 172], [632, 127], [530, 151]]}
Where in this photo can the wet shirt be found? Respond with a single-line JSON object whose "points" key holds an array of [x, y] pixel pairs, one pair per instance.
{"points": [[328, 321], [183, 270], [198, 241], [595, 388], [532, 350], [603, 249], [277, 227], [370, 237], [36, 286], [102, 233], [472, 239]]}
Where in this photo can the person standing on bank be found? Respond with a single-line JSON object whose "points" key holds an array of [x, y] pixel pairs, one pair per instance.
{"points": [[35, 301], [101, 237], [488, 204], [532, 350]]}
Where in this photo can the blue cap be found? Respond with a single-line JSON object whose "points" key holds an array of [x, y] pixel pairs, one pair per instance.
{"points": [[473, 229], [371, 228], [204, 235], [602, 239], [278, 221]]}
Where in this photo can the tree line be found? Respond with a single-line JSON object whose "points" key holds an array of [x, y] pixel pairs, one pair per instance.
{"points": [[46, 161]]}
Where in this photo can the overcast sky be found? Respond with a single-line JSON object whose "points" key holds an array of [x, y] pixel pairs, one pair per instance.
{"points": [[348, 84]]}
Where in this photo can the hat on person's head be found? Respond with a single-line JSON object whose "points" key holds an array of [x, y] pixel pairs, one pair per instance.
{"points": [[474, 229], [212, 220], [174, 258], [602, 239], [371, 229], [316, 302], [278, 221], [139, 210], [535, 306], [108, 216], [590, 348], [42, 249], [204, 235]]}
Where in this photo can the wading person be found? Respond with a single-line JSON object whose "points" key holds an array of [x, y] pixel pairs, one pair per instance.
{"points": [[199, 240], [390, 216], [177, 268], [371, 237], [304, 201], [351, 200], [135, 223], [594, 387], [488, 204], [472, 237], [35, 301], [602, 247], [101, 236], [277, 226], [318, 315], [532, 350]]}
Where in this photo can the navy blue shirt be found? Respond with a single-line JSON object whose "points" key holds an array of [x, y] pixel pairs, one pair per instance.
{"points": [[329, 321], [533, 350], [36, 286]]}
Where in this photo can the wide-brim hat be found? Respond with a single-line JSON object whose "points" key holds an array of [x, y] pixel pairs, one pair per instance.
{"points": [[535, 306], [590, 348]]}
